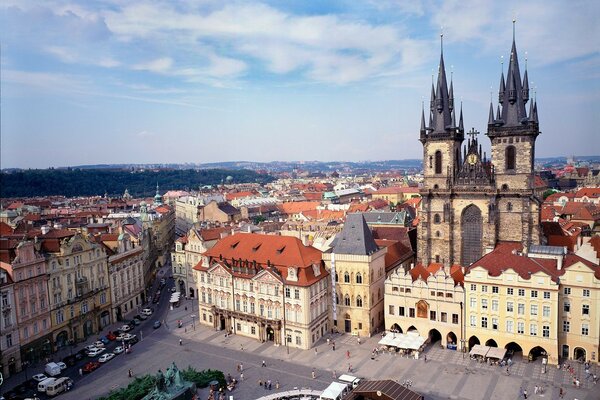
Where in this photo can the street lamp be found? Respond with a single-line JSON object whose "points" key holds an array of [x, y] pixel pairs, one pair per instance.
{"points": [[193, 321]]}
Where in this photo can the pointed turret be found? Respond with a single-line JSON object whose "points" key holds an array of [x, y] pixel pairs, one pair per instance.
{"points": [[525, 86], [535, 113], [498, 114], [451, 96], [423, 128], [461, 127], [513, 100], [491, 116], [442, 116], [501, 89], [432, 102]]}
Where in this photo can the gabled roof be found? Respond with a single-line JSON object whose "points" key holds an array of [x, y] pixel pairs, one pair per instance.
{"points": [[228, 208], [355, 238]]}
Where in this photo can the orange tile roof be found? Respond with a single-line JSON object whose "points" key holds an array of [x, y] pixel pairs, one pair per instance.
{"points": [[295, 207], [163, 209], [279, 252], [397, 252], [589, 192], [238, 195]]}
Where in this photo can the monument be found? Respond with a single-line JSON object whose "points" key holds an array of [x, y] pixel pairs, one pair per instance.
{"points": [[171, 386]]}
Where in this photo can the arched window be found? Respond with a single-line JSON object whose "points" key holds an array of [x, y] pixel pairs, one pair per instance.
{"points": [[337, 298], [346, 277], [336, 277], [437, 258], [471, 235], [505, 187], [347, 300], [509, 207], [436, 219], [359, 301], [358, 278], [438, 162], [438, 234], [510, 157]]}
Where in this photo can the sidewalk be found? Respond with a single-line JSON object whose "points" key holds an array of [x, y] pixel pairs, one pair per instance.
{"points": [[446, 374]]}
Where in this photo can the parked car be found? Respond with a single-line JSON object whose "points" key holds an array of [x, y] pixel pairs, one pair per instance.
{"points": [[40, 377], [90, 366], [111, 336], [89, 347], [96, 351], [80, 354], [128, 336], [133, 340], [120, 337], [141, 317], [99, 343], [147, 311], [62, 365], [134, 322], [70, 360], [156, 324], [125, 328], [106, 357], [118, 350], [104, 340]]}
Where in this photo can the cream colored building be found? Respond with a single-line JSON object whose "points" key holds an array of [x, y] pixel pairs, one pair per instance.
{"points": [[126, 269], [247, 280], [357, 266], [579, 310], [78, 286], [188, 253], [428, 300]]}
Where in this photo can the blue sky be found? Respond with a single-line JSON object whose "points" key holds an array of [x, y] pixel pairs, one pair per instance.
{"points": [[201, 81]]}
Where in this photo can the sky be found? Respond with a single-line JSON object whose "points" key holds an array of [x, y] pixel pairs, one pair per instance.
{"points": [[115, 81]]}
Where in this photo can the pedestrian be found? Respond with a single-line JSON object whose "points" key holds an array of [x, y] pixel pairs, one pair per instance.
{"points": [[425, 358], [130, 373], [241, 367], [525, 394], [313, 374], [349, 367], [180, 342], [333, 347], [276, 384], [333, 374], [347, 353], [260, 382], [359, 341], [241, 376], [238, 368], [535, 390], [316, 351], [264, 364], [507, 371], [561, 393], [80, 372], [328, 340]]}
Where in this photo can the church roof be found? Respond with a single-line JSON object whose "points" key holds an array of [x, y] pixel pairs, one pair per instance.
{"points": [[355, 238]]}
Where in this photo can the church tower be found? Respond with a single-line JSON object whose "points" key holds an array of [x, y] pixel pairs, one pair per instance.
{"points": [[513, 133], [469, 203]]}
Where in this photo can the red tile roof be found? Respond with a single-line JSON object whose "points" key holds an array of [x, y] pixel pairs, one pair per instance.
{"points": [[213, 233], [397, 252], [589, 192], [295, 207], [279, 252]]}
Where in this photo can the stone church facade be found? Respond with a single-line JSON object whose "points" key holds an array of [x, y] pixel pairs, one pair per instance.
{"points": [[469, 202]]}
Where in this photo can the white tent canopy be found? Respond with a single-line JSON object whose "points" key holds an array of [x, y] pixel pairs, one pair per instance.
{"points": [[496, 352], [410, 340], [479, 350]]}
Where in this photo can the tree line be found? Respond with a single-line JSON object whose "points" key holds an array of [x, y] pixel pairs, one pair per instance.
{"points": [[90, 182]]}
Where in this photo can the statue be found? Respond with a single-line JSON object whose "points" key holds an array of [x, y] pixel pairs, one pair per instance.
{"points": [[169, 385]]}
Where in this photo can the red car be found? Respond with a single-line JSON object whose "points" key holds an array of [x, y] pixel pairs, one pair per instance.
{"points": [[91, 366], [111, 336]]}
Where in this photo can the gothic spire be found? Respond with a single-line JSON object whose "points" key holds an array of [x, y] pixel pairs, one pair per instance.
{"points": [[461, 127], [491, 116], [535, 112], [525, 85], [423, 129], [513, 97], [442, 118]]}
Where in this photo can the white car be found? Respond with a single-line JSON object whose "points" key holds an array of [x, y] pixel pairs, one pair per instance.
{"points": [[147, 311], [128, 336], [94, 352], [106, 357], [89, 347], [119, 350], [40, 377], [62, 365], [125, 328], [98, 344]]}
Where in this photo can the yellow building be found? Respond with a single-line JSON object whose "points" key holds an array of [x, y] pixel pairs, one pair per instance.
{"points": [[579, 310], [428, 300], [247, 280], [357, 266], [396, 194]]}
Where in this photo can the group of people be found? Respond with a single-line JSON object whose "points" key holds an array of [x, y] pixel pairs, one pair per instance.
{"points": [[268, 384], [331, 343]]}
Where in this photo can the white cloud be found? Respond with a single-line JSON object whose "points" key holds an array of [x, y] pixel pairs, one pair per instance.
{"points": [[159, 65]]}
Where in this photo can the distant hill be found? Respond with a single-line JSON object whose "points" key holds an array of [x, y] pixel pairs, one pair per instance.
{"points": [[89, 182]]}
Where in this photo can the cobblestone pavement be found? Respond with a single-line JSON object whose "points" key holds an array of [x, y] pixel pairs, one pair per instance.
{"points": [[445, 375]]}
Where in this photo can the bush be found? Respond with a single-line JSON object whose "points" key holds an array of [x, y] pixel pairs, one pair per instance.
{"points": [[136, 390], [204, 377]]}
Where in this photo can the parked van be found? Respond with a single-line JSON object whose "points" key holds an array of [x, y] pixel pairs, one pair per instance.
{"points": [[52, 369], [335, 391], [43, 385], [350, 380], [58, 387]]}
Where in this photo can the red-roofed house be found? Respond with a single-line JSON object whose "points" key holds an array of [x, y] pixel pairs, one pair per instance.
{"points": [[247, 280]]}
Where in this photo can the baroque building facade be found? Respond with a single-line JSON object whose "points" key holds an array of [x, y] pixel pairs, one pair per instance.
{"points": [[470, 203], [10, 354], [271, 288]]}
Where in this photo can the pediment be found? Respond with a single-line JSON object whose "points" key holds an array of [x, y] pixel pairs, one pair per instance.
{"points": [[218, 269], [266, 276]]}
